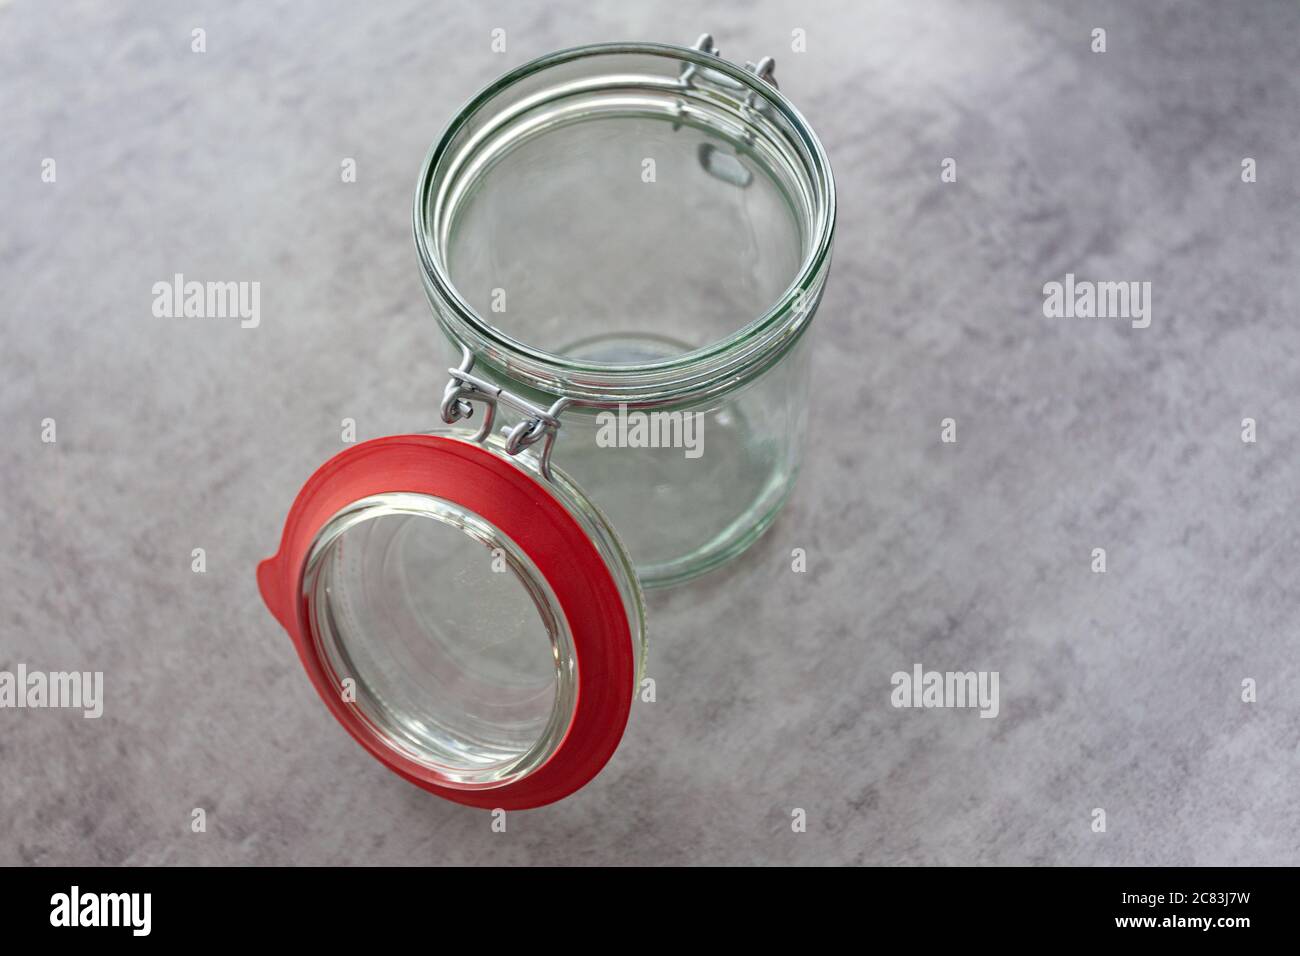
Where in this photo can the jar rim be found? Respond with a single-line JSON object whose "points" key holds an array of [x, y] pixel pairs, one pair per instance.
{"points": [[711, 369]]}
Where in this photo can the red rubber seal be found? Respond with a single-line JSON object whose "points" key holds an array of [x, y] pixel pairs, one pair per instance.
{"points": [[520, 506]]}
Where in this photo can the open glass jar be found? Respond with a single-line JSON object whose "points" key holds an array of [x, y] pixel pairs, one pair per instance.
{"points": [[624, 245]]}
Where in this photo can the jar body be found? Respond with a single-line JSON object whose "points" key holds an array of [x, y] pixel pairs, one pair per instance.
{"points": [[640, 233]]}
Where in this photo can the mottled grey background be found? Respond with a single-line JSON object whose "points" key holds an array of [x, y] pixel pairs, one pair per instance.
{"points": [[1119, 691]]}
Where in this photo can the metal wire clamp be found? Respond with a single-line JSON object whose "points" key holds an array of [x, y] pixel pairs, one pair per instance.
{"points": [[538, 424]]}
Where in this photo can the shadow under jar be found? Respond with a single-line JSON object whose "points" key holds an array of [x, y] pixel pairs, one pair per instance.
{"points": [[625, 245]]}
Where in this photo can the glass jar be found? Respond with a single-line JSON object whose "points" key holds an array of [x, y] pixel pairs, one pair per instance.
{"points": [[624, 245], [641, 229]]}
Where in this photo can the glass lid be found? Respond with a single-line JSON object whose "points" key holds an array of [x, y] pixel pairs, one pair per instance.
{"points": [[449, 634], [474, 624]]}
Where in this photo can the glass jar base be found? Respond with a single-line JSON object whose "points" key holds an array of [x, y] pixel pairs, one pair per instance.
{"points": [[727, 546], [687, 489]]}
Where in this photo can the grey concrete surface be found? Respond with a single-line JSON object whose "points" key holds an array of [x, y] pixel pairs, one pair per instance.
{"points": [[1119, 691]]}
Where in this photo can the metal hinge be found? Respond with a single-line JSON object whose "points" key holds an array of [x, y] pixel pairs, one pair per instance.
{"points": [[538, 425], [717, 162], [764, 69]]}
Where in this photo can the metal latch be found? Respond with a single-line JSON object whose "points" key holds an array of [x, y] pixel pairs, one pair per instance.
{"points": [[716, 162], [538, 425]]}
